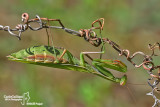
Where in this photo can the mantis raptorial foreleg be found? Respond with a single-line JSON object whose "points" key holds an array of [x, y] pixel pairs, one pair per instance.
{"points": [[100, 66], [107, 74]]}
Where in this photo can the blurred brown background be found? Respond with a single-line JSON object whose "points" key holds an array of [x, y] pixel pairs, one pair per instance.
{"points": [[133, 24]]}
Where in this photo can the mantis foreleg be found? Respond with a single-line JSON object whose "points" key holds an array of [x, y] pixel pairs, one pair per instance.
{"points": [[100, 66]]}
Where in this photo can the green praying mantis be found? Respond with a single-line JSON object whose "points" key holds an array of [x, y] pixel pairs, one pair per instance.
{"points": [[61, 58]]}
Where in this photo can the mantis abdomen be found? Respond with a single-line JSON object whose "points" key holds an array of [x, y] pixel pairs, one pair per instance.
{"points": [[44, 54], [48, 56]]}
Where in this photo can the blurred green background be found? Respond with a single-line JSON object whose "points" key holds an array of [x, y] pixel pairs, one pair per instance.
{"points": [[133, 24]]}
